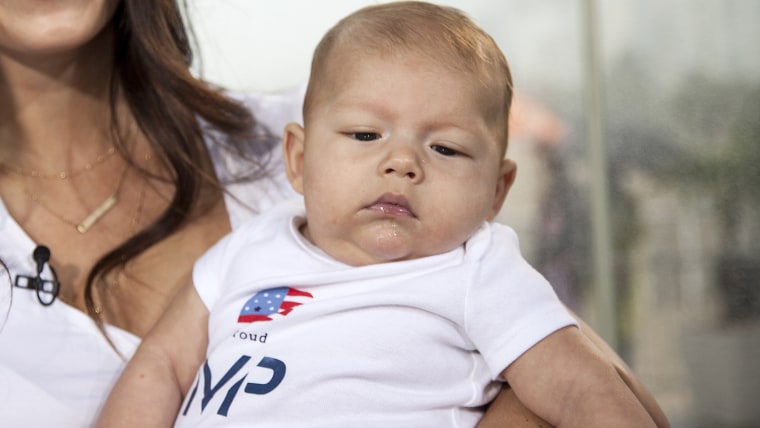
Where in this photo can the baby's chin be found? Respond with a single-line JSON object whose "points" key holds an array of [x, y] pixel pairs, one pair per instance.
{"points": [[384, 243]]}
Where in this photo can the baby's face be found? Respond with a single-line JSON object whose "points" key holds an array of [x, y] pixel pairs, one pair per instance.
{"points": [[398, 162]]}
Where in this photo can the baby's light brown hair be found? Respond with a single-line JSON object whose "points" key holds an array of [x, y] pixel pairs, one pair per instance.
{"points": [[442, 34]]}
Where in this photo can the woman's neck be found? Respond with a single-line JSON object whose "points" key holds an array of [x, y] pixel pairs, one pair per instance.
{"points": [[54, 108]]}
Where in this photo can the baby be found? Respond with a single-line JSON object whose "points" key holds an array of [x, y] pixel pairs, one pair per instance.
{"points": [[386, 297]]}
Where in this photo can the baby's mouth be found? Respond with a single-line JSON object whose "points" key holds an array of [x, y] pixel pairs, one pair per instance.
{"points": [[390, 204]]}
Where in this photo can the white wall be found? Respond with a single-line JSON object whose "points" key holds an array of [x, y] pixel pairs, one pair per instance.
{"points": [[266, 45]]}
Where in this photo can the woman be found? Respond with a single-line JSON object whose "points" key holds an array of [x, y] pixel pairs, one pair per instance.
{"points": [[126, 168]]}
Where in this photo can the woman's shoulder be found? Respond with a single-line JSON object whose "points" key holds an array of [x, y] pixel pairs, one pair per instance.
{"points": [[274, 110], [248, 197]]}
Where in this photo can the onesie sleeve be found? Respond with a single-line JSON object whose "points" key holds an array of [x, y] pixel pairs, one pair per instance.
{"points": [[211, 270], [509, 306], [205, 281]]}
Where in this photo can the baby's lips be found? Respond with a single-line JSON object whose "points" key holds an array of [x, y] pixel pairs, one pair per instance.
{"points": [[393, 205]]}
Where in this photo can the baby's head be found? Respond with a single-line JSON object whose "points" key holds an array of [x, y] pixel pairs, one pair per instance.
{"points": [[405, 130], [440, 34]]}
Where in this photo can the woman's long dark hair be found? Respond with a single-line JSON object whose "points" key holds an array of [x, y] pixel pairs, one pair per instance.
{"points": [[151, 70]]}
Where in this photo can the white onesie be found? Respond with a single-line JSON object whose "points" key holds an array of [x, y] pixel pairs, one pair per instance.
{"points": [[297, 338]]}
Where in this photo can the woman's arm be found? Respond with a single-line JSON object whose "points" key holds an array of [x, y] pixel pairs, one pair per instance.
{"points": [[569, 382], [151, 388], [508, 410], [645, 397]]}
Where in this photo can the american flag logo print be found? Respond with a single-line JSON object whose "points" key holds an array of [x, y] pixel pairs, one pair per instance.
{"points": [[273, 301]]}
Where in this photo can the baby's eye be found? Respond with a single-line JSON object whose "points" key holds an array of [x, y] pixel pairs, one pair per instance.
{"points": [[364, 136], [444, 150]]}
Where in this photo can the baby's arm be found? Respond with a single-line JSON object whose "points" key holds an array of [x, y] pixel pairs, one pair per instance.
{"points": [[567, 381], [150, 390]]}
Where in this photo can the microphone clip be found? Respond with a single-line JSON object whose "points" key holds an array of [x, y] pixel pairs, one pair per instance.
{"points": [[46, 289]]}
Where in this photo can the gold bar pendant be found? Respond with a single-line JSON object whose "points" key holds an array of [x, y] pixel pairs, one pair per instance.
{"points": [[99, 212]]}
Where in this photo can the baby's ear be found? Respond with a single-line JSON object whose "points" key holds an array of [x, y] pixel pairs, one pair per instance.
{"points": [[293, 146], [507, 174]]}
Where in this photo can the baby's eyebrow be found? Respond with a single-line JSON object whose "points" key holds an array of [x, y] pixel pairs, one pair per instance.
{"points": [[354, 104], [452, 121]]}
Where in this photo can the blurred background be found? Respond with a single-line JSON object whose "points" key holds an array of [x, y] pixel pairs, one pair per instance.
{"points": [[636, 129]]}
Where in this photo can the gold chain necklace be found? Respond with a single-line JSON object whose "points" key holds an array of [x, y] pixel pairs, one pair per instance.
{"points": [[94, 216], [134, 221], [63, 174]]}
